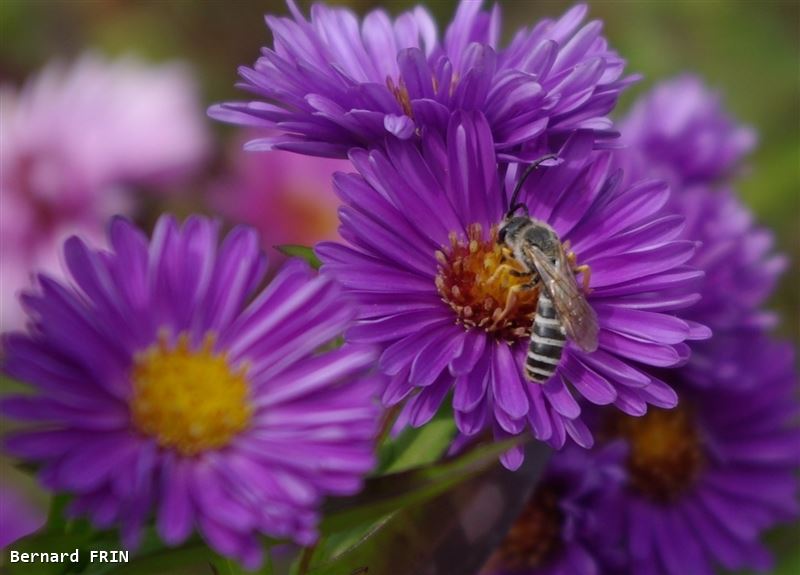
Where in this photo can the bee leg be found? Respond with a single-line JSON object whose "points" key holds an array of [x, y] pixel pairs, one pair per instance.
{"points": [[506, 254], [498, 270], [571, 257], [511, 300], [506, 268], [576, 269], [587, 276]]}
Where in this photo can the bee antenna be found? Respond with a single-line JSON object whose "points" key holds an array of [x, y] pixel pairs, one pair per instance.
{"points": [[513, 205]]}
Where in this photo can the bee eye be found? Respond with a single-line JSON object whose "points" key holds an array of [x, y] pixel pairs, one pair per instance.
{"points": [[501, 236]]}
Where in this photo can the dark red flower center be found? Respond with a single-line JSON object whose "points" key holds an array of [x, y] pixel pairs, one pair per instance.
{"points": [[536, 534]]}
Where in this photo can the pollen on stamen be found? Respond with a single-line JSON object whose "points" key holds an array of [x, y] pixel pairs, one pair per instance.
{"points": [[400, 93], [475, 278], [456, 78], [190, 399]]}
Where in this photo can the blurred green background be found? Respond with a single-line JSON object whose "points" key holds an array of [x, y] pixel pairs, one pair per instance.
{"points": [[748, 50]]}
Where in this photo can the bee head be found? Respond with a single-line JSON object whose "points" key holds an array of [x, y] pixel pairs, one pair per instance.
{"points": [[510, 226]]}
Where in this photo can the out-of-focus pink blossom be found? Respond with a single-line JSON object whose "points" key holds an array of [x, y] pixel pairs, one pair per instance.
{"points": [[287, 197], [74, 139]]}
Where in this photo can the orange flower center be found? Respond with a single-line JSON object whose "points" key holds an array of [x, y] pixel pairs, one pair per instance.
{"points": [[476, 280], [666, 454]]}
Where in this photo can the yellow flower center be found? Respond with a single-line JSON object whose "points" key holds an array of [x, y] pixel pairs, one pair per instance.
{"points": [[475, 279], [535, 535], [190, 400], [666, 453]]}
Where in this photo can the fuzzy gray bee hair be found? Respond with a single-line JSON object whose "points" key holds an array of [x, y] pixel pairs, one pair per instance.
{"points": [[562, 310]]}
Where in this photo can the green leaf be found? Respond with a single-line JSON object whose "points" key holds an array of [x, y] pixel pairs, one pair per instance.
{"points": [[303, 252], [269, 566], [420, 446], [227, 566], [789, 565], [152, 557], [10, 386], [783, 543], [454, 532], [56, 522], [385, 494], [27, 467], [192, 554], [44, 542], [330, 547], [335, 343]]}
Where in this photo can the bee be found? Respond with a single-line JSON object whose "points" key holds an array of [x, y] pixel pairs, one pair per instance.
{"points": [[562, 310]]}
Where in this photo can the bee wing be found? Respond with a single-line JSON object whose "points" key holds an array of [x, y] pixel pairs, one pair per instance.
{"points": [[576, 315]]}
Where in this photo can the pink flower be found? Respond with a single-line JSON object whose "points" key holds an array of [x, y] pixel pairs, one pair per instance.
{"points": [[74, 139], [287, 197]]}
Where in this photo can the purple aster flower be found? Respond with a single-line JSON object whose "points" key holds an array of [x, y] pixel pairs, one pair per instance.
{"points": [[559, 532], [424, 261], [741, 271], [74, 139], [161, 357], [684, 132], [332, 83], [709, 477], [679, 131]]}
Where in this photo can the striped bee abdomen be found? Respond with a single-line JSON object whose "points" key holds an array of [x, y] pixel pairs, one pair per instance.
{"points": [[547, 341]]}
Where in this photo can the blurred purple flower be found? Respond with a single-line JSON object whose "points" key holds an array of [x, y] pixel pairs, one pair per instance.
{"points": [[560, 531], [422, 259], [679, 131], [709, 477], [18, 517], [287, 197], [684, 133], [159, 358], [332, 83], [73, 138], [741, 272]]}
